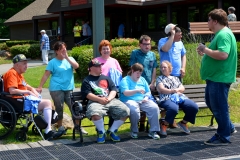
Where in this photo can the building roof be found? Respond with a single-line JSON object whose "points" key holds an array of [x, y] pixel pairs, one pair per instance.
{"points": [[35, 9]]}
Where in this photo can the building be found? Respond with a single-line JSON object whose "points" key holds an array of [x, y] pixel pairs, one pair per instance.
{"points": [[140, 17]]}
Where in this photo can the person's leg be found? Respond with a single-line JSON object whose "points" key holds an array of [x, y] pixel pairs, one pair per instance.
{"points": [[171, 109], [45, 56], [217, 101], [58, 100], [152, 111], [46, 106], [134, 114], [190, 109], [119, 112], [96, 112]]}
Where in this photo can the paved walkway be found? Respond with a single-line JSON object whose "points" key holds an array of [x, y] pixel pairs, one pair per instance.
{"points": [[177, 146]]}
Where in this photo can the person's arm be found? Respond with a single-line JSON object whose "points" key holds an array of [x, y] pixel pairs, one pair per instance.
{"points": [[215, 54], [43, 80], [111, 95], [168, 44], [183, 68], [101, 100], [73, 63], [43, 42], [132, 92], [152, 84]]}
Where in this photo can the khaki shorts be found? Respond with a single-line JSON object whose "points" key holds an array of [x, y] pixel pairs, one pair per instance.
{"points": [[116, 109]]}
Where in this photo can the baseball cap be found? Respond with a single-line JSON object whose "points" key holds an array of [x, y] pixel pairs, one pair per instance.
{"points": [[43, 31], [169, 27], [19, 58], [94, 62]]}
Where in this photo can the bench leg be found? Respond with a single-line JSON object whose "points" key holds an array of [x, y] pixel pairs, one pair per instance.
{"points": [[80, 131]]}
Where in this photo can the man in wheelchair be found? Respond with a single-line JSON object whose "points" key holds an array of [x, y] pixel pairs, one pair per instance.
{"points": [[14, 83], [101, 91]]}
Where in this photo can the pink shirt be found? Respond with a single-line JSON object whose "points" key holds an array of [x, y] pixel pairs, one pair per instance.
{"points": [[109, 63]]}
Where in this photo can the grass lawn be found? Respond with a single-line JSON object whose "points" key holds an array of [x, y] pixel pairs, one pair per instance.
{"points": [[4, 60]]}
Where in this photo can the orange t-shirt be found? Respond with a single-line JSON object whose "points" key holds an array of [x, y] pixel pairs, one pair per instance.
{"points": [[12, 79]]}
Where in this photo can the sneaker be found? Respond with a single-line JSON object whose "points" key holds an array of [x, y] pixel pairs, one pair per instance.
{"points": [[82, 129], [114, 136], [233, 130], [62, 130], [154, 135], [101, 137], [134, 135], [163, 129], [52, 135], [216, 141], [184, 127]]}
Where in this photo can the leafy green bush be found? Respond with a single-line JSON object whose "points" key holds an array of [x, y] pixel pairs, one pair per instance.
{"points": [[83, 59], [124, 42], [34, 51], [20, 42], [3, 46], [20, 49], [29, 50]]}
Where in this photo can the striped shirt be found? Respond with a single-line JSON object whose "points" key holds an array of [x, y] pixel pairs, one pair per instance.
{"points": [[46, 45]]}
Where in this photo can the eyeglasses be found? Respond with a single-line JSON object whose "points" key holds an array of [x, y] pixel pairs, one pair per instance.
{"points": [[146, 44]]}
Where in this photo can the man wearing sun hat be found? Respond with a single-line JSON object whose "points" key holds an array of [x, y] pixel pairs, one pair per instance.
{"points": [[44, 46], [14, 83], [100, 92], [172, 49]]}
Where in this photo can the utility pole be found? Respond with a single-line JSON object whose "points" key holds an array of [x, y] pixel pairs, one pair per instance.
{"points": [[98, 24]]}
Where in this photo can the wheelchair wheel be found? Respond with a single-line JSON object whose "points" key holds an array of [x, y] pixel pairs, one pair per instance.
{"points": [[35, 131], [7, 119], [21, 136]]}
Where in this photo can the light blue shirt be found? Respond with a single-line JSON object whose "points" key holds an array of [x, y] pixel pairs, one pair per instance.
{"points": [[174, 55], [128, 84], [62, 75]]}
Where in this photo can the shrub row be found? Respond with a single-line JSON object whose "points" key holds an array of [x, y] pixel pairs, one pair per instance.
{"points": [[29, 50], [21, 42]]}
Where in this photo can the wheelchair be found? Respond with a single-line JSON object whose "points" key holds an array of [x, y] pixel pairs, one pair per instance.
{"points": [[12, 115]]}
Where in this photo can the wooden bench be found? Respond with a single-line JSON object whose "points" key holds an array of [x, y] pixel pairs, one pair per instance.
{"points": [[202, 27], [196, 93], [193, 92], [80, 106]]}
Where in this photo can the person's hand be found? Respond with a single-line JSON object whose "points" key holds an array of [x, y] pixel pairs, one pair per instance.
{"points": [[182, 71], [145, 99], [141, 91], [103, 100], [200, 49], [39, 90], [172, 31], [152, 87], [64, 53]]}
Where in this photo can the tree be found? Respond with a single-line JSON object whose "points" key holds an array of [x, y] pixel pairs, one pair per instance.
{"points": [[8, 8]]}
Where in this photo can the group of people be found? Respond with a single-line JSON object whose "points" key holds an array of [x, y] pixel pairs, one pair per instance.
{"points": [[82, 34], [100, 87]]}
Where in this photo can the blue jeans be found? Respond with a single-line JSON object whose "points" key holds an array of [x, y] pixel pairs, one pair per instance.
{"points": [[189, 107], [216, 97]]}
